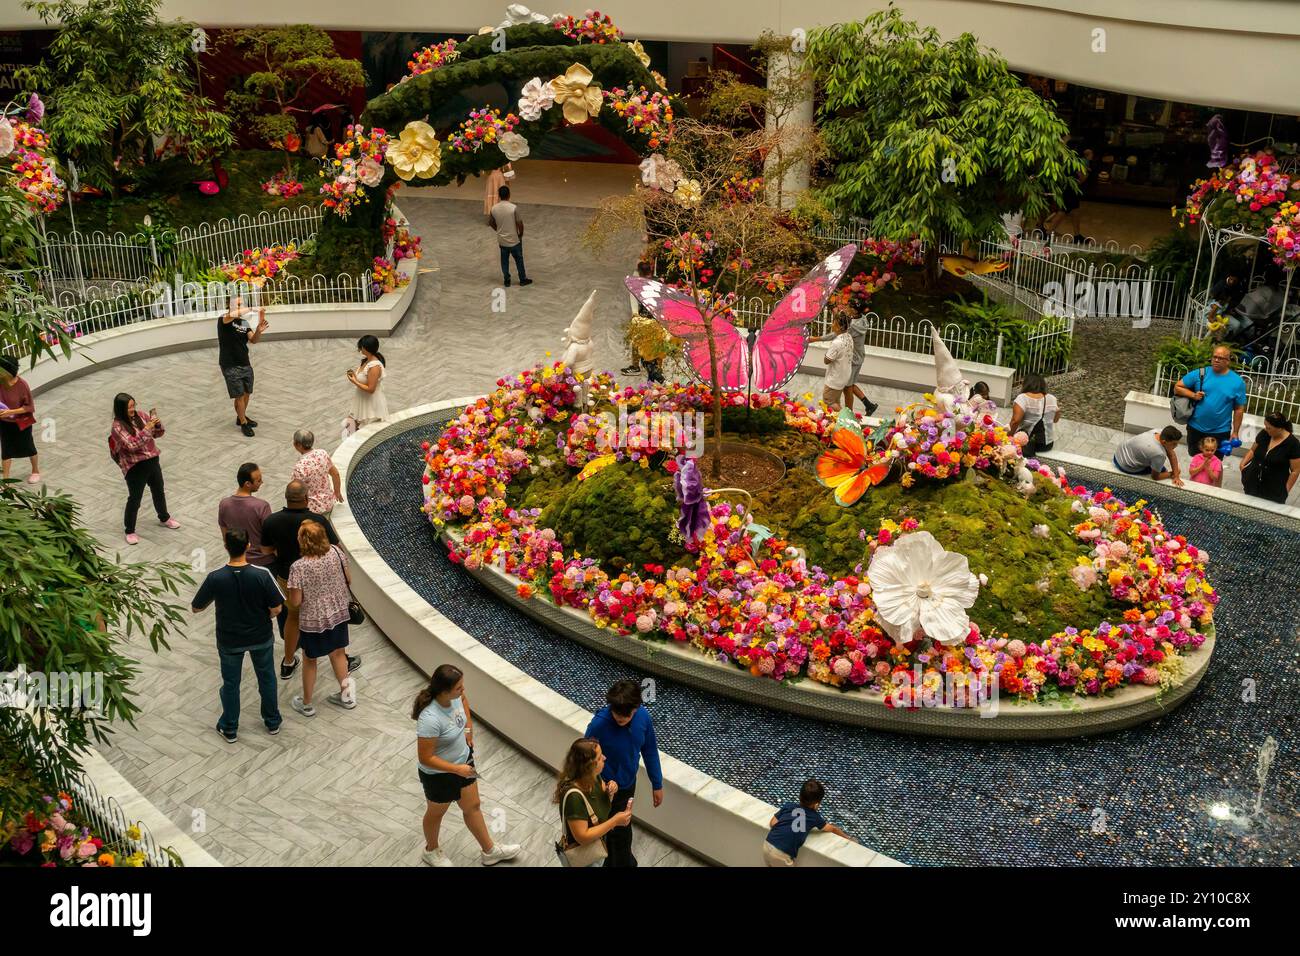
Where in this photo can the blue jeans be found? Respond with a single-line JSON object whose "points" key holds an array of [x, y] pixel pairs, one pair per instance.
{"points": [[515, 252], [232, 666]]}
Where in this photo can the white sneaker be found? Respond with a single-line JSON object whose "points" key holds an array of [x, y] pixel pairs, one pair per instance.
{"points": [[499, 852], [436, 858]]}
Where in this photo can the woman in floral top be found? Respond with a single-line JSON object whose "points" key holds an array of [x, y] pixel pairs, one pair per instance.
{"points": [[131, 443], [315, 470], [318, 588]]}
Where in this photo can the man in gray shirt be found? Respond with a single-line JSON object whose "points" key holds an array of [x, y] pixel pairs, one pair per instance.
{"points": [[1147, 454], [509, 226]]}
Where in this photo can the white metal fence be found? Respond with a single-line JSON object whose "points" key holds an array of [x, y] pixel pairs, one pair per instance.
{"points": [[120, 257], [1269, 387], [126, 303], [104, 816]]}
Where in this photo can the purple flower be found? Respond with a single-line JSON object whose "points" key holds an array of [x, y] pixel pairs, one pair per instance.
{"points": [[35, 109]]}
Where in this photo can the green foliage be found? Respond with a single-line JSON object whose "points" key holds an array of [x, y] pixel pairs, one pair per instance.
{"points": [[66, 608], [621, 516], [753, 421], [1174, 255], [286, 61], [114, 74], [1173, 352], [900, 106], [986, 321]]}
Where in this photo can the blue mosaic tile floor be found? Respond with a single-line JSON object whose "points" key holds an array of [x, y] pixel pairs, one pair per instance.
{"points": [[1179, 790]]}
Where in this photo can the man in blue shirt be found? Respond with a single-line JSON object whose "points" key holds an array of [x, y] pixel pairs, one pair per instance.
{"points": [[1220, 397], [626, 735]]}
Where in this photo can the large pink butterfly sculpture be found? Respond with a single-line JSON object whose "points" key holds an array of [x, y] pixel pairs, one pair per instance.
{"points": [[765, 359]]}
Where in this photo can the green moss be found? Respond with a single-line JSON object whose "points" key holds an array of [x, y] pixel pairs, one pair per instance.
{"points": [[622, 516]]}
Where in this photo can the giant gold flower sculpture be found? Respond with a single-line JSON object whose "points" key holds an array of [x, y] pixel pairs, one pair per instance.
{"points": [[417, 152], [640, 53], [575, 91]]}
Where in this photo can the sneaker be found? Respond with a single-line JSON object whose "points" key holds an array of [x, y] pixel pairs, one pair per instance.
{"points": [[507, 283], [499, 852], [229, 737], [273, 730], [632, 370], [436, 857], [347, 695], [353, 663], [247, 429], [525, 281], [34, 477], [171, 523], [246, 421], [132, 538], [307, 710], [287, 670]]}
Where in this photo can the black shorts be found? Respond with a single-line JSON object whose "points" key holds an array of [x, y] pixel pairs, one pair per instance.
{"points": [[239, 380], [445, 787], [16, 442]]}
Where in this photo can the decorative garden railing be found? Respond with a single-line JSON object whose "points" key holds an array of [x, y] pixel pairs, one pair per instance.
{"points": [[104, 816], [1270, 387]]}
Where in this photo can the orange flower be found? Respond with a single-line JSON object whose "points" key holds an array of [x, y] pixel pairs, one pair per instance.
{"points": [[105, 859]]}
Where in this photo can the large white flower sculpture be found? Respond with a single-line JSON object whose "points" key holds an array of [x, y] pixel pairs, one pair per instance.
{"points": [[513, 145], [417, 152], [915, 584], [536, 97], [659, 172], [6, 137]]}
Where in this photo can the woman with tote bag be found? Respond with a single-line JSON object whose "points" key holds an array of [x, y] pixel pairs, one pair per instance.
{"points": [[584, 801]]}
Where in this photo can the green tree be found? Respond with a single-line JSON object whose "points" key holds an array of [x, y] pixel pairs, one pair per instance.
{"points": [[66, 609], [114, 75], [930, 136], [286, 61]]}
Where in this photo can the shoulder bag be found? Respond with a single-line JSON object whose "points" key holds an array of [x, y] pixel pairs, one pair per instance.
{"points": [[356, 616], [1182, 408], [570, 851]]}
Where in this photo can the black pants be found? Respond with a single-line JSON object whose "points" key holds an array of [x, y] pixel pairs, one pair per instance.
{"points": [[147, 472], [618, 841], [1194, 441], [515, 252]]}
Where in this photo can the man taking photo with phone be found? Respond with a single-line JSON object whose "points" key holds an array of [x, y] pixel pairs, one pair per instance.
{"points": [[234, 334]]}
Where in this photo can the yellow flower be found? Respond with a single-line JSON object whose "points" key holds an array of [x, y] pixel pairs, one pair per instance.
{"points": [[417, 152], [641, 54], [580, 97], [133, 832], [659, 78], [688, 192]]}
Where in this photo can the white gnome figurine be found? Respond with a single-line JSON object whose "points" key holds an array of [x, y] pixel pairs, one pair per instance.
{"points": [[950, 389], [577, 343]]}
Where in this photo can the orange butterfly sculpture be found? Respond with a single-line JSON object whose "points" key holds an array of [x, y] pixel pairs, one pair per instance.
{"points": [[846, 467]]}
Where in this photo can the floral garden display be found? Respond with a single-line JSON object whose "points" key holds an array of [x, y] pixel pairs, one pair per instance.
{"points": [[52, 836], [255, 266], [930, 542], [1252, 194], [358, 161], [283, 185], [25, 149]]}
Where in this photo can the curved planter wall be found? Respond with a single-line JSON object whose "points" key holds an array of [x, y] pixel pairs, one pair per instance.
{"points": [[716, 821], [180, 333]]}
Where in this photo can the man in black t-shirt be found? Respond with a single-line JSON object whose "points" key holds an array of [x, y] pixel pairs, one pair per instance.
{"points": [[234, 334], [247, 598], [280, 539]]}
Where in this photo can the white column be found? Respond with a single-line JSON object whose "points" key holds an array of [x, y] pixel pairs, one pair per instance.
{"points": [[792, 109]]}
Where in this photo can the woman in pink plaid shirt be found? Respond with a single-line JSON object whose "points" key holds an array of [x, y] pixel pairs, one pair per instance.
{"points": [[131, 443]]}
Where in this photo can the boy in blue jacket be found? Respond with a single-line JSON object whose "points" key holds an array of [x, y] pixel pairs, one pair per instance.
{"points": [[626, 735]]}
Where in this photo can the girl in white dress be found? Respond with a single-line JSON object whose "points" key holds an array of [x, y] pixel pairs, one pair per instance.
{"points": [[368, 401]]}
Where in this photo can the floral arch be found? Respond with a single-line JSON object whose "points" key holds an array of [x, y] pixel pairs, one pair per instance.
{"points": [[572, 71]]}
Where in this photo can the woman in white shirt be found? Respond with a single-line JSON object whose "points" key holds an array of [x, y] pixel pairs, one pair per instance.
{"points": [[1035, 404], [368, 401], [839, 363]]}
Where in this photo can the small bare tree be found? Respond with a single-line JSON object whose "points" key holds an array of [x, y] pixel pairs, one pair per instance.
{"points": [[704, 202]]}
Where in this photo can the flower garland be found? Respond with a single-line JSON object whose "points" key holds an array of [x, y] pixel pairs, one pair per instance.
{"points": [[1284, 234], [283, 185], [593, 27], [52, 838], [255, 266], [430, 58], [763, 608], [1254, 183], [483, 126], [648, 113], [406, 245], [384, 276], [855, 295], [358, 161], [910, 253]]}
